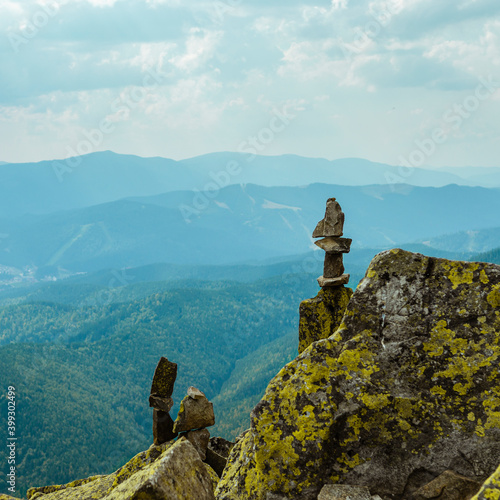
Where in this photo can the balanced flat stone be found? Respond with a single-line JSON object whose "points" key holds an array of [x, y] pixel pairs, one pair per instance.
{"points": [[334, 265], [335, 245], [342, 280], [163, 404], [164, 379], [333, 223]]}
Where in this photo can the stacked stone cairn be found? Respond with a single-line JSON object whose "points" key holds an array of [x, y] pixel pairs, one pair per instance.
{"points": [[321, 316], [331, 228], [196, 413]]}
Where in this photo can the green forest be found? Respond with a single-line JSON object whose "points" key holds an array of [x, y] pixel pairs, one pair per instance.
{"points": [[83, 370]]}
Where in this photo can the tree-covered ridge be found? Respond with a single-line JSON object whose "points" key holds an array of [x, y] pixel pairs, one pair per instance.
{"points": [[493, 256], [83, 372]]}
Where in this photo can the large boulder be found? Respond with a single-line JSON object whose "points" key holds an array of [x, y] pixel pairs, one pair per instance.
{"points": [[406, 388], [173, 471]]}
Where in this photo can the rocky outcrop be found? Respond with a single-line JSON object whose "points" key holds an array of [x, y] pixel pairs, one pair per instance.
{"points": [[321, 316], [172, 471], [407, 388]]}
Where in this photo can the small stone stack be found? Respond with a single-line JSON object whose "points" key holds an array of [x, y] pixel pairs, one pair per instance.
{"points": [[331, 229], [161, 400], [196, 413]]}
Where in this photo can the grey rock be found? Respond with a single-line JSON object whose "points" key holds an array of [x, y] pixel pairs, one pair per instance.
{"points": [[195, 393], [333, 223], [216, 461], [173, 471], [448, 486], [334, 265], [163, 404], [335, 245], [491, 487], [344, 492], [221, 446], [199, 439], [163, 427], [342, 280], [180, 474], [194, 414], [406, 388]]}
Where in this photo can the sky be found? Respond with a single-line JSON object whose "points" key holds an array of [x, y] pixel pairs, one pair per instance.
{"points": [[398, 81]]}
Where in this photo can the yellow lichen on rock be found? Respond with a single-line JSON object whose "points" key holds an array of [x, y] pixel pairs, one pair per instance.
{"points": [[172, 471], [491, 488], [322, 315]]}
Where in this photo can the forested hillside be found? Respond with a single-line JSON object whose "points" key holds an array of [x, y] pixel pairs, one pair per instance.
{"points": [[83, 372]]}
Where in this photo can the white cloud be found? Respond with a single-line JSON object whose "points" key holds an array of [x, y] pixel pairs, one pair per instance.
{"points": [[200, 47]]}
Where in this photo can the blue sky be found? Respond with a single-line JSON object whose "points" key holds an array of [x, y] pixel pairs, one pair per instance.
{"points": [[380, 80]]}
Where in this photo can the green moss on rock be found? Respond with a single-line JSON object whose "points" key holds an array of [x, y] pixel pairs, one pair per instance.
{"points": [[322, 315], [408, 382]]}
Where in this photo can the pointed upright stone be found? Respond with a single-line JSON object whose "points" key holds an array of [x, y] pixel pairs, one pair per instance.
{"points": [[333, 223]]}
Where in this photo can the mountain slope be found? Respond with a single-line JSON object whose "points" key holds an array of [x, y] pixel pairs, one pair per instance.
{"points": [[241, 224], [104, 177], [83, 374], [493, 256]]}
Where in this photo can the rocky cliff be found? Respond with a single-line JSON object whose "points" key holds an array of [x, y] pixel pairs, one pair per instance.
{"points": [[407, 388]]}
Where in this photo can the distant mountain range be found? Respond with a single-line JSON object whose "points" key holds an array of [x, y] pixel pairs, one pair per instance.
{"points": [[245, 224], [103, 177]]}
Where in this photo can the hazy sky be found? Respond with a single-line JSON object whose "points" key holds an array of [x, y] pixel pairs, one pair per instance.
{"points": [[394, 81]]}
